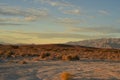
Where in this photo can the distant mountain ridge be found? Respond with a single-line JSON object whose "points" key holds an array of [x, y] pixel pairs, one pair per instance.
{"points": [[99, 43]]}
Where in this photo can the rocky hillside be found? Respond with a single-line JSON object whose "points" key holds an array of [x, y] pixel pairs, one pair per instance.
{"points": [[99, 43]]}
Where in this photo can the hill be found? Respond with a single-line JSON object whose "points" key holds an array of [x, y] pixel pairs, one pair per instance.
{"points": [[99, 43], [58, 52]]}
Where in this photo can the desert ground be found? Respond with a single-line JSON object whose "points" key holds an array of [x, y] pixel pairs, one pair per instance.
{"points": [[51, 70], [48, 62]]}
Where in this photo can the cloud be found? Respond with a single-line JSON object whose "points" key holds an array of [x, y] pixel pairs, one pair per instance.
{"points": [[73, 12], [61, 35], [100, 29], [103, 12], [55, 3], [8, 24], [10, 19], [12, 15], [30, 18], [54, 37], [62, 5], [68, 21], [18, 19], [8, 37], [49, 35], [17, 14], [17, 11], [33, 37], [91, 17]]}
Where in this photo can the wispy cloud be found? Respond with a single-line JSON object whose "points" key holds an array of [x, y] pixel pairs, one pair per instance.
{"points": [[91, 17], [13, 15], [48, 35], [100, 29], [8, 24], [17, 11], [17, 14], [55, 3], [19, 19], [103, 12], [68, 21], [61, 35], [73, 12], [33, 37], [62, 5]]}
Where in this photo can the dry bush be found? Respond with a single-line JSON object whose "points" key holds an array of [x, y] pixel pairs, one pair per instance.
{"points": [[66, 76], [23, 62], [66, 57], [9, 54], [59, 57], [36, 59], [44, 55], [75, 57], [70, 57]]}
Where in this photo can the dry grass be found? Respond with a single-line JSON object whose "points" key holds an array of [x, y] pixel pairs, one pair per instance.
{"points": [[66, 76], [44, 55], [70, 57], [58, 52], [23, 62], [36, 59]]}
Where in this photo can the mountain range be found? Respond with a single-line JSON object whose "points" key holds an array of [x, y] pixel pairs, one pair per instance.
{"points": [[98, 43]]}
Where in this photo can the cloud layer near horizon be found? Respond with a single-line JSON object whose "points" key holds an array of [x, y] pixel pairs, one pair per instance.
{"points": [[32, 37]]}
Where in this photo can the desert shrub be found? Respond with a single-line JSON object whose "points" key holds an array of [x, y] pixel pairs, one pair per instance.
{"points": [[70, 57], [75, 57], [9, 54], [15, 46], [23, 62], [66, 57], [66, 76], [58, 57], [36, 59], [44, 55]]}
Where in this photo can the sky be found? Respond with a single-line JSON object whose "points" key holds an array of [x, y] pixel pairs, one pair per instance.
{"points": [[58, 21]]}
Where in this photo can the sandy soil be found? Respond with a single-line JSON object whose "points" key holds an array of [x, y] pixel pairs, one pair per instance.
{"points": [[51, 70]]}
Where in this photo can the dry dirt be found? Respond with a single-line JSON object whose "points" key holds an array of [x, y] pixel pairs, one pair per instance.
{"points": [[51, 70]]}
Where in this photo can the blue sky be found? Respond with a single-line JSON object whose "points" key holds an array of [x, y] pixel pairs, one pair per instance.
{"points": [[58, 21]]}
